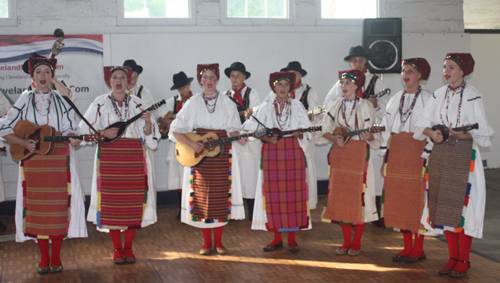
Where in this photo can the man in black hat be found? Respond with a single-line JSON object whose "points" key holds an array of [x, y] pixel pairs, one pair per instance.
{"points": [[137, 89], [309, 98], [173, 105], [246, 99], [357, 59], [56, 83]]}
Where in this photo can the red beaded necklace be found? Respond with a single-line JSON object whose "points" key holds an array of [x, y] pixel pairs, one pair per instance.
{"points": [[342, 110], [449, 91], [403, 117], [281, 117]]}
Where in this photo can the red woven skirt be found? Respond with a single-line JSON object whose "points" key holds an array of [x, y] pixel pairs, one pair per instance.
{"points": [[404, 188], [348, 165], [47, 194], [211, 182], [285, 188], [122, 184]]}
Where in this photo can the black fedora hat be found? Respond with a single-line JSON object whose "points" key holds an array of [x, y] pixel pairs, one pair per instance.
{"points": [[236, 66], [294, 66], [133, 65], [26, 68], [357, 51], [180, 79]]}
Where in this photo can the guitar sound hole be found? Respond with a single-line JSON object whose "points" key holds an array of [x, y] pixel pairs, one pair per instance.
{"points": [[209, 141]]}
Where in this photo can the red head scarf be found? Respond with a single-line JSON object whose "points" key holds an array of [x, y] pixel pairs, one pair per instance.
{"points": [[109, 70], [201, 68], [274, 78], [355, 76], [34, 62], [420, 64], [464, 60]]}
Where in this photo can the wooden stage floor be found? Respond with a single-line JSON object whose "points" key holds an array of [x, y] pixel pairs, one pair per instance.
{"points": [[168, 252]]}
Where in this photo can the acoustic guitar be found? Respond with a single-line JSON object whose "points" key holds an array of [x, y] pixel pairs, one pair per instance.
{"points": [[446, 133], [344, 132], [279, 133], [122, 125], [165, 128], [44, 136], [213, 146]]}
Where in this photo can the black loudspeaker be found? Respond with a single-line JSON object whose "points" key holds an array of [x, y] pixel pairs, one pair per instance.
{"points": [[382, 38]]}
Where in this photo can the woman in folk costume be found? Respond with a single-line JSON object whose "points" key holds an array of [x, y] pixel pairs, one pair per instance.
{"points": [[49, 203], [404, 189], [124, 202], [309, 98], [357, 59], [281, 200], [211, 191], [174, 105], [456, 184], [351, 193]]}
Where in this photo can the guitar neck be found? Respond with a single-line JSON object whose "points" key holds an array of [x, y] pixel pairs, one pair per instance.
{"points": [[230, 139], [312, 129], [61, 138], [354, 133], [152, 107], [466, 128]]}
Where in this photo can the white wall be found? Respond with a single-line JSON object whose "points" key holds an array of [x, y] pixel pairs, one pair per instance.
{"points": [[484, 48]]}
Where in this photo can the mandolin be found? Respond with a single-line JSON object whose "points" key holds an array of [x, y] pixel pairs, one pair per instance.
{"points": [[122, 125], [344, 132], [44, 136], [213, 146], [317, 110], [446, 133], [381, 93], [279, 133], [164, 127]]}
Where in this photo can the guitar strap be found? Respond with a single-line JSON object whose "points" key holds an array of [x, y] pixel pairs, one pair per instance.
{"points": [[176, 103], [259, 122], [7, 97], [78, 112], [303, 98], [370, 90], [331, 116], [246, 98], [240, 108], [139, 92]]}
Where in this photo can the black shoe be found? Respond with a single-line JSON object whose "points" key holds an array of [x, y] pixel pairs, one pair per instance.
{"points": [[179, 195], [250, 205]]}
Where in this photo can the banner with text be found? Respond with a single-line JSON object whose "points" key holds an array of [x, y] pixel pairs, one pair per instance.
{"points": [[79, 64]]}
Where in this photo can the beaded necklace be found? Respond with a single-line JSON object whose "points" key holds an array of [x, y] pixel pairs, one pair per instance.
{"points": [[118, 113], [343, 108], [281, 117], [460, 89], [48, 107], [403, 117], [211, 107]]}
